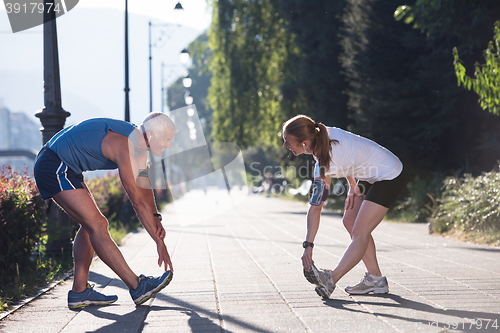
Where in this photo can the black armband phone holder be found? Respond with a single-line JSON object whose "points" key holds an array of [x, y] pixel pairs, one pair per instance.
{"points": [[319, 193]]}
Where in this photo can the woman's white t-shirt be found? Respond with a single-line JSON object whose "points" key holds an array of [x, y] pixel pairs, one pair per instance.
{"points": [[359, 157]]}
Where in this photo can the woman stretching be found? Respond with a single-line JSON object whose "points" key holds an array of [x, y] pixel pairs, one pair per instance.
{"points": [[375, 181]]}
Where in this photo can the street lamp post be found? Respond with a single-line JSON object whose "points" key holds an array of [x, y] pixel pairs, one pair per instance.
{"points": [[163, 90], [127, 89], [178, 9], [53, 117], [187, 81], [184, 56], [150, 72]]}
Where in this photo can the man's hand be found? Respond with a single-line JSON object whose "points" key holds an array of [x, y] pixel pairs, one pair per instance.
{"points": [[307, 260], [163, 256], [160, 231]]}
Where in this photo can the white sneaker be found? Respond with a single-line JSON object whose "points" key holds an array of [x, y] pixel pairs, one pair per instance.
{"points": [[322, 279], [369, 284]]}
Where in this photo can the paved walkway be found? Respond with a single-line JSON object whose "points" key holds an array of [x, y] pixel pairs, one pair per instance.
{"points": [[241, 272]]}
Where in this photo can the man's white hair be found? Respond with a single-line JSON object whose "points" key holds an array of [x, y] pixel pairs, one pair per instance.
{"points": [[158, 122]]}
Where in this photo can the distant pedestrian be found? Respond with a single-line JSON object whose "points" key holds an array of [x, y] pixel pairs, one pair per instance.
{"points": [[375, 180], [103, 144]]}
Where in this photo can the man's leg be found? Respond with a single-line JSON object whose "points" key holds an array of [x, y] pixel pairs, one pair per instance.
{"points": [[370, 256], [83, 252], [80, 205]]}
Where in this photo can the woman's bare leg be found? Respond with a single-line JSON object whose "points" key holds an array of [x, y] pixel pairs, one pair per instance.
{"points": [[369, 216], [370, 256]]}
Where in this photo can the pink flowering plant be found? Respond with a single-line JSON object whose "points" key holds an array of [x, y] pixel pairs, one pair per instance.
{"points": [[22, 216], [111, 198]]}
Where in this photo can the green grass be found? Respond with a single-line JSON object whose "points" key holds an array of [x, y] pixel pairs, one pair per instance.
{"points": [[47, 271], [477, 237], [118, 234], [28, 281], [467, 208], [118, 231], [470, 205]]}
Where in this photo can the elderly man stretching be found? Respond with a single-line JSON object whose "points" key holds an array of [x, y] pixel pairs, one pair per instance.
{"points": [[103, 144]]}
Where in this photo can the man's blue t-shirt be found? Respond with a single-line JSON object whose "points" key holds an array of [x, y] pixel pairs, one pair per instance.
{"points": [[79, 145]]}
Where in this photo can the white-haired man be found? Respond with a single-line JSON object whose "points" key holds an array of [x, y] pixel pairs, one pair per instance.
{"points": [[103, 144]]}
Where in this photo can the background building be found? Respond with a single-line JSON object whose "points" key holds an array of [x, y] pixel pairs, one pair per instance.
{"points": [[18, 131]]}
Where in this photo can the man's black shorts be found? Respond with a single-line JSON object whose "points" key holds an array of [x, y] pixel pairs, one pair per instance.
{"points": [[53, 176]]}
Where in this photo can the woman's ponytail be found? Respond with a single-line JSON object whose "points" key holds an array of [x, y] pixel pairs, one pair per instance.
{"points": [[321, 150], [304, 128]]}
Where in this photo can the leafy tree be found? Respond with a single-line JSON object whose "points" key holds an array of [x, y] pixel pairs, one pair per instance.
{"points": [[486, 81], [199, 73], [403, 92], [466, 23], [250, 47], [315, 81], [272, 59], [395, 81]]}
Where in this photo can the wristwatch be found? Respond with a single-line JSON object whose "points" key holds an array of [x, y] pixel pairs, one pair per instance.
{"points": [[158, 215], [307, 244]]}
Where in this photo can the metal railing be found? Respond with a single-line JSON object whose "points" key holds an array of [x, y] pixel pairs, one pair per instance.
{"points": [[29, 153]]}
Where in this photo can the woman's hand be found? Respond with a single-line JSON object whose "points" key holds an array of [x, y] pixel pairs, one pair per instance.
{"points": [[354, 192], [307, 259]]}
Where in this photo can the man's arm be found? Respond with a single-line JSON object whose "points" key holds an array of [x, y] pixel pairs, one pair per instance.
{"points": [[142, 198]]}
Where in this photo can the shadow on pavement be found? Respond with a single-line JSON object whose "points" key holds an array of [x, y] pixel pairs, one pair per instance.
{"points": [[122, 323], [402, 302], [102, 281], [197, 310], [196, 322], [263, 240], [200, 319], [134, 321], [482, 249], [323, 213]]}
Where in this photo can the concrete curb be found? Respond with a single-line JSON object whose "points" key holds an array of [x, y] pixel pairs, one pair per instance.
{"points": [[41, 291], [49, 287]]}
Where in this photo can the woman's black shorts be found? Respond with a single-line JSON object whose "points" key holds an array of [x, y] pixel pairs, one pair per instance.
{"points": [[384, 192]]}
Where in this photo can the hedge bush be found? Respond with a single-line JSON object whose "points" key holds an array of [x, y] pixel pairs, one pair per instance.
{"points": [[112, 200], [22, 214], [418, 198], [23, 224], [469, 204]]}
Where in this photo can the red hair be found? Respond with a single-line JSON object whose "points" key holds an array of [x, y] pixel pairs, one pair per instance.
{"points": [[304, 128]]}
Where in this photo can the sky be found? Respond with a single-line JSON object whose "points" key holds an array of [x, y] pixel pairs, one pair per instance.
{"points": [[197, 13], [91, 57]]}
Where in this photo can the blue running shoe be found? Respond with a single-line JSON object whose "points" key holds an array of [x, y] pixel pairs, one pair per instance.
{"points": [[89, 297], [149, 286]]}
